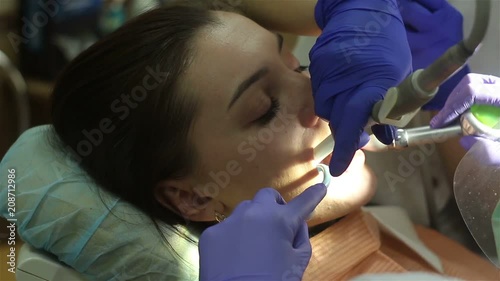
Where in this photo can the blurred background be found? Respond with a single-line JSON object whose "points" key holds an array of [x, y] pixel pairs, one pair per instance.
{"points": [[37, 39]]}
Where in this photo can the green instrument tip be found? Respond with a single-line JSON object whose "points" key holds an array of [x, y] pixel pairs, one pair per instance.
{"points": [[487, 114]]}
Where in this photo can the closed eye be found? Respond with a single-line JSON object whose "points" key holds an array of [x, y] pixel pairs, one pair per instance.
{"points": [[301, 68], [267, 117]]}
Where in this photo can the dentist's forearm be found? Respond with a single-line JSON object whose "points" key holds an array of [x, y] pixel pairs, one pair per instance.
{"points": [[290, 16]]}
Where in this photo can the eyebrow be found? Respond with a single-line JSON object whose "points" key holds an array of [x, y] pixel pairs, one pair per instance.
{"points": [[255, 77]]}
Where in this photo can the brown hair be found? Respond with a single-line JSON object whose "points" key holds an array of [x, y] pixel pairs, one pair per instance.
{"points": [[122, 110]]}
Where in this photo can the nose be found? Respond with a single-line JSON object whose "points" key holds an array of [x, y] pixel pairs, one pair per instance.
{"points": [[307, 114], [307, 117], [300, 98]]}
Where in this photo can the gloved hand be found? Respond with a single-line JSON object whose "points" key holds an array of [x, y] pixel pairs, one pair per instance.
{"points": [[433, 26], [361, 53], [263, 239], [473, 89]]}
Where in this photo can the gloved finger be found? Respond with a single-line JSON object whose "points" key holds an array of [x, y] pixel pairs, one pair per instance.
{"points": [[415, 15], [301, 240], [484, 88], [384, 133], [305, 203], [447, 116], [472, 89], [348, 133], [337, 111], [323, 102], [363, 140], [240, 208], [468, 141], [488, 150], [432, 5], [268, 195], [346, 144], [451, 113]]}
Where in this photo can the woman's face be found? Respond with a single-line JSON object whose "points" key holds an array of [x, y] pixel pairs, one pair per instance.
{"points": [[256, 126]]}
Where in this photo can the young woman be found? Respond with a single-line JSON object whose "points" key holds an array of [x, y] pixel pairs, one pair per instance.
{"points": [[186, 112]]}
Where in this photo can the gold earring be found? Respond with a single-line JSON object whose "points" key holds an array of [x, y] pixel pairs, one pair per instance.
{"points": [[219, 217]]}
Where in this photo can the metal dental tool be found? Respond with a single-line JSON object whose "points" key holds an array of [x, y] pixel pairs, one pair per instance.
{"points": [[469, 125], [481, 120]]}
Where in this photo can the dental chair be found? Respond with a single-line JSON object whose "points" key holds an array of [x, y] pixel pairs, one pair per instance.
{"points": [[61, 211], [36, 265]]}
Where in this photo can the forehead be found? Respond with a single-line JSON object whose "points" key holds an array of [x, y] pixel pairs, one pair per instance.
{"points": [[227, 53]]}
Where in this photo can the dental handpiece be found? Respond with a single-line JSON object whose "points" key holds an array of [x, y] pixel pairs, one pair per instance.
{"points": [[471, 123], [403, 138], [423, 135], [481, 120]]}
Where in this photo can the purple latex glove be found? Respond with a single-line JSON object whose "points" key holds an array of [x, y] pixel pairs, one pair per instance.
{"points": [[473, 89], [433, 26], [361, 53], [487, 150], [263, 239]]}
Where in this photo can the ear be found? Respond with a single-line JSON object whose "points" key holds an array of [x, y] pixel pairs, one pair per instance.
{"points": [[182, 198]]}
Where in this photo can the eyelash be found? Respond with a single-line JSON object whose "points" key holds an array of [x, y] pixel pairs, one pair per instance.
{"points": [[301, 68], [271, 113], [275, 104]]}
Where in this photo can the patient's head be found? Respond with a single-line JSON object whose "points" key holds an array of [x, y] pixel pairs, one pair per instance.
{"points": [[186, 112]]}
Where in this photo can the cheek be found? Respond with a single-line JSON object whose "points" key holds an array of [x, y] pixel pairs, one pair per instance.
{"points": [[267, 159]]}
